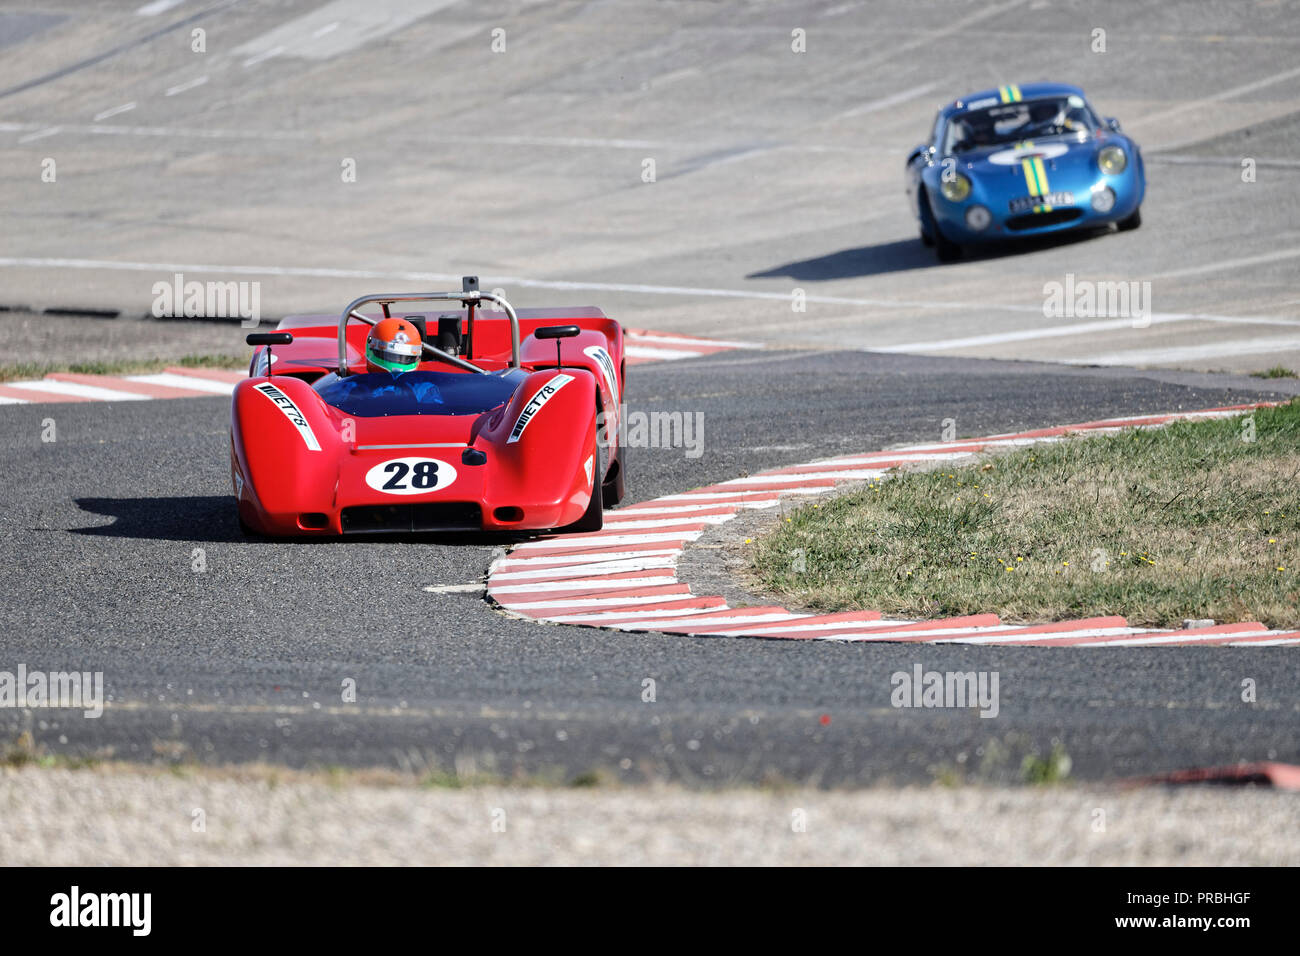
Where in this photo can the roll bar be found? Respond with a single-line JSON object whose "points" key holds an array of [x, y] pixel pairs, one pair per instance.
{"points": [[470, 296]]}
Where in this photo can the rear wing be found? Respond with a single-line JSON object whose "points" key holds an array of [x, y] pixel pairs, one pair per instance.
{"points": [[469, 296]]}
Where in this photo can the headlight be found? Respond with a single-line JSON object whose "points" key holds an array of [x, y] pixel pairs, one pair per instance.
{"points": [[1103, 199], [955, 189], [1112, 160], [978, 218]]}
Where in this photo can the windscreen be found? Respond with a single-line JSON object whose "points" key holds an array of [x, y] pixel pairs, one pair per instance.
{"points": [[1012, 122], [373, 394]]}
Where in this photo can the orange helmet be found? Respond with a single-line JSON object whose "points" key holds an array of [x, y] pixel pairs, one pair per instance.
{"points": [[393, 345]]}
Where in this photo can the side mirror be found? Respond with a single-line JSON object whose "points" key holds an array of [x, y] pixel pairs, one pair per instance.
{"points": [[1113, 123], [924, 151], [269, 338], [557, 332]]}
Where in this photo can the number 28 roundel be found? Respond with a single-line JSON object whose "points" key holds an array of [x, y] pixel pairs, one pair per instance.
{"points": [[410, 476]]}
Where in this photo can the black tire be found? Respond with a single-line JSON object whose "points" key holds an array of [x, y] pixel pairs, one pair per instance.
{"points": [[593, 519], [945, 248], [614, 486], [1132, 222], [932, 235]]}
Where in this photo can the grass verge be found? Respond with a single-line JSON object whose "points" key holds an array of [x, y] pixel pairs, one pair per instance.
{"points": [[1194, 520], [1277, 371], [22, 371]]}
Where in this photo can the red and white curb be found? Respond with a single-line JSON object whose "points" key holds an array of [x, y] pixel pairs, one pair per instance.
{"points": [[625, 576], [642, 346], [174, 382]]}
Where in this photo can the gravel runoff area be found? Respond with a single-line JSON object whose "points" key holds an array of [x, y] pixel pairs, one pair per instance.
{"points": [[119, 815]]}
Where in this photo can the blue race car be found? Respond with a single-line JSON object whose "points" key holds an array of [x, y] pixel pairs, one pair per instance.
{"points": [[1022, 161]]}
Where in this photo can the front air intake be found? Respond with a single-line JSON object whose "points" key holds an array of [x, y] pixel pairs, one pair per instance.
{"points": [[434, 516]]}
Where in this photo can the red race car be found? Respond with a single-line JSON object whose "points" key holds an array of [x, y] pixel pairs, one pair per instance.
{"points": [[504, 421]]}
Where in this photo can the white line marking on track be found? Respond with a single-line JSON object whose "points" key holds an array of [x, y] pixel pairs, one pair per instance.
{"points": [[640, 351], [28, 262], [594, 584], [1221, 264], [40, 134], [1221, 95], [1190, 353], [187, 85], [184, 381], [874, 106], [157, 7], [601, 602], [654, 338], [168, 132], [81, 391], [124, 108], [263, 56]]}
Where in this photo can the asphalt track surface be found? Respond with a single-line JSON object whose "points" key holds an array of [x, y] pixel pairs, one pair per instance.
{"points": [[774, 170], [246, 660]]}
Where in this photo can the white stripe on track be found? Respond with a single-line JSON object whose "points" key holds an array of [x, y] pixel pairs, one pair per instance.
{"points": [[665, 614], [1041, 635], [610, 602], [565, 559], [586, 570], [668, 355], [95, 392], [634, 338], [172, 380], [593, 584], [610, 539]]}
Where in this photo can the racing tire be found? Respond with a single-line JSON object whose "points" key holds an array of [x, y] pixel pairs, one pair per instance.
{"points": [[593, 519], [1132, 222], [612, 489], [932, 235], [945, 248]]}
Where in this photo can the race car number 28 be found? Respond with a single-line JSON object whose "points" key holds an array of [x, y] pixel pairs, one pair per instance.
{"points": [[410, 476]]}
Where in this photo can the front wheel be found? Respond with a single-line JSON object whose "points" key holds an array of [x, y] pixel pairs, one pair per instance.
{"points": [[945, 248], [1132, 222], [593, 519], [932, 235]]}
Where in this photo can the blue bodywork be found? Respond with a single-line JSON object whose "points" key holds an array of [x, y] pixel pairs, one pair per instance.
{"points": [[1033, 180]]}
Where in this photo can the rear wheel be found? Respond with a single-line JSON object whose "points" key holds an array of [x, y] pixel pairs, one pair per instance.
{"points": [[1132, 222]]}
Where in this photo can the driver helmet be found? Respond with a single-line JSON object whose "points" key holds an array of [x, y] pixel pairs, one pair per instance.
{"points": [[393, 346]]}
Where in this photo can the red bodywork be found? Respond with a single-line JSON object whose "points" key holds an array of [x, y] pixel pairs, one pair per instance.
{"points": [[303, 467]]}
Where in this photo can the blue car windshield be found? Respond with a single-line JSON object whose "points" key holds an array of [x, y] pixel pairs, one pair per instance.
{"points": [[1011, 122], [374, 394]]}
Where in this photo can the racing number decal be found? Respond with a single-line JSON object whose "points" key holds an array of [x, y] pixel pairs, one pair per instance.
{"points": [[540, 398], [291, 412], [410, 476]]}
